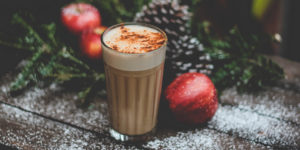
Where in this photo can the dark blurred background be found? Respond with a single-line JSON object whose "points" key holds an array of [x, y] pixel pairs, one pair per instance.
{"points": [[47, 10], [276, 17]]}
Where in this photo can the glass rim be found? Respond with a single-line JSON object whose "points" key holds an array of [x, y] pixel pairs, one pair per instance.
{"points": [[133, 23]]}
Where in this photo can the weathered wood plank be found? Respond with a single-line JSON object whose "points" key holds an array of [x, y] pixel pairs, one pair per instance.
{"points": [[4, 147], [25, 130], [52, 102], [244, 124], [242, 121], [100, 124], [59, 108]]}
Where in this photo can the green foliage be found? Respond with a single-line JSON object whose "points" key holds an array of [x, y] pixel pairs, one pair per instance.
{"points": [[117, 11], [53, 56], [237, 61], [53, 61]]}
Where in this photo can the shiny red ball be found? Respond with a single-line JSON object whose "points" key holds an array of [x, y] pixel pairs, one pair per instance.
{"points": [[192, 98], [80, 16], [90, 42]]}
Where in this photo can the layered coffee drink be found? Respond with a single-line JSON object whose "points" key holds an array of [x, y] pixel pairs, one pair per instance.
{"points": [[133, 56]]}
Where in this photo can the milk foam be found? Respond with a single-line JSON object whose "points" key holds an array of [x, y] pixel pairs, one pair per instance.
{"points": [[131, 61], [127, 44]]}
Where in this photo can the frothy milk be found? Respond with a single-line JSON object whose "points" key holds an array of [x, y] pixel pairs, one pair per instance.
{"points": [[134, 59], [138, 46]]}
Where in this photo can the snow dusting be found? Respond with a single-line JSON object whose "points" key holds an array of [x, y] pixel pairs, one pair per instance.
{"points": [[255, 127], [39, 133], [202, 139], [51, 102], [276, 103]]}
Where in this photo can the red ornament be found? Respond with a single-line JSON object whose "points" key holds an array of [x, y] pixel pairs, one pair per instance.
{"points": [[90, 42], [80, 16], [192, 98]]}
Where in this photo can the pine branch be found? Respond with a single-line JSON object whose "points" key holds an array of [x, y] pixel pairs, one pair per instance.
{"points": [[16, 46], [51, 30], [86, 95], [53, 61], [63, 76], [23, 23], [243, 67], [66, 54], [235, 56], [24, 78]]}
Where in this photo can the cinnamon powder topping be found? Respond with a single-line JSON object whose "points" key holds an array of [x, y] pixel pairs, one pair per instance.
{"points": [[136, 41]]}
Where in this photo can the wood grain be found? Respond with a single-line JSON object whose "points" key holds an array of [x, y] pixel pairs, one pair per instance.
{"points": [[49, 117]]}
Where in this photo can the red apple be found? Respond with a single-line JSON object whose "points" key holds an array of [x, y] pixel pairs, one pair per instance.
{"points": [[80, 16], [192, 98], [90, 42]]}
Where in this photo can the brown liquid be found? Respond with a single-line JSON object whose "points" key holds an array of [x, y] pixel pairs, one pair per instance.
{"points": [[133, 98]]}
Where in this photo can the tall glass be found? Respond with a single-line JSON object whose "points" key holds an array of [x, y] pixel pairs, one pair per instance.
{"points": [[133, 83]]}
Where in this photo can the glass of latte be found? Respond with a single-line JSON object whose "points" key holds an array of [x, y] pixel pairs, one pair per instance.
{"points": [[133, 55]]}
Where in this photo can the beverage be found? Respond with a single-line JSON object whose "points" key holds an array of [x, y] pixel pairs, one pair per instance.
{"points": [[134, 99], [133, 56]]}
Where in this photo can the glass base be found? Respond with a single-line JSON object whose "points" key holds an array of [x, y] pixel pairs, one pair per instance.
{"points": [[132, 138]]}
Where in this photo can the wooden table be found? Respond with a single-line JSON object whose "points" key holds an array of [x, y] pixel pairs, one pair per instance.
{"points": [[50, 119]]}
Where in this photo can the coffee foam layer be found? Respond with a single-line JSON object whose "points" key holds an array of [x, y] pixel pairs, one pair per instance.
{"points": [[134, 39], [132, 60]]}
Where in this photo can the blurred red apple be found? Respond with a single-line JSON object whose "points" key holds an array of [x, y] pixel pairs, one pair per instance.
{"points": [[90, 42], [80, 16]]}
